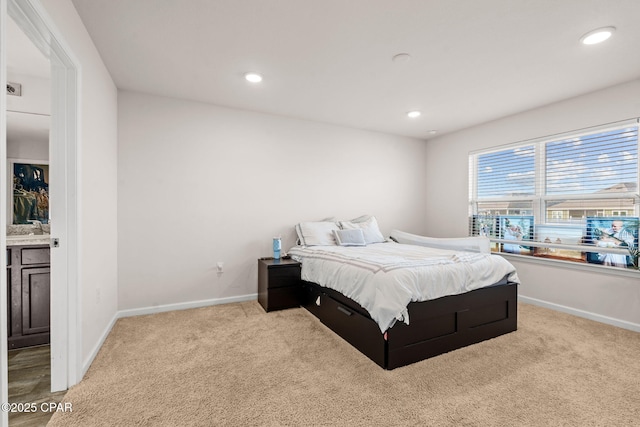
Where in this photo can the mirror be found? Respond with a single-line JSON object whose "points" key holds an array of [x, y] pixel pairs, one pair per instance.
{"points": [[28, 126], [27, 145]]}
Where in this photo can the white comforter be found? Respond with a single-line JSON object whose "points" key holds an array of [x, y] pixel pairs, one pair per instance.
{"points": [[385, 277]]}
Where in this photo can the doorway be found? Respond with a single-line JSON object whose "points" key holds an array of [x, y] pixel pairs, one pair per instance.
{"points": [[65, 346], [28, 227]]}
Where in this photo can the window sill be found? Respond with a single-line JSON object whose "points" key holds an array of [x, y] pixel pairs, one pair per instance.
{"points": [[593, 268]]}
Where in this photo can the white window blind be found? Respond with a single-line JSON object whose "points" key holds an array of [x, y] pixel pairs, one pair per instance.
{"points": [[558, 188], [506, 173], [597, 163]]}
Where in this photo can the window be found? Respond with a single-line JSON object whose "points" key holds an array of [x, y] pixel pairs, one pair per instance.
{"points": [[561, 195]]}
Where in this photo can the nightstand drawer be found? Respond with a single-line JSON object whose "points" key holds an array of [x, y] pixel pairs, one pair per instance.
{"points": [[281, 277], [281, 298], [286, 271]]}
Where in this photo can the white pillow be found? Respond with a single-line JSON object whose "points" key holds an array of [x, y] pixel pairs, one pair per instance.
{"points": [[349, 237], [369, 227], [318, 233]]}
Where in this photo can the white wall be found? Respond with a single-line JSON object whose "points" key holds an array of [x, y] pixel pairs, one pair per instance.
{"points": [[33, 106], [27, 149], [199, 184], [98, 177], [36, 94], [615, 297]]}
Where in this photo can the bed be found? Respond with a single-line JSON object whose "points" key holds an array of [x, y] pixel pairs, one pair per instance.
{"points": [[408, 298]]}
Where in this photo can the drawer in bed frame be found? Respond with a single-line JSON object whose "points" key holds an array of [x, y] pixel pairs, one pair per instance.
{"points": [[436, 326]]}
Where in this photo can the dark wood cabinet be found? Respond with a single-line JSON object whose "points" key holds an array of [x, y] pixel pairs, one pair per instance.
{"points": [[279, 284], [28, 295]]}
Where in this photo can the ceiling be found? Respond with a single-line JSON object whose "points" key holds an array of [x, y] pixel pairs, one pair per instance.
{"points": [[472, 61]]}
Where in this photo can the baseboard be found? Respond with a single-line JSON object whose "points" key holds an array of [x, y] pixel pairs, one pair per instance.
{"points": [[157, 309], [581, 313], [185, 305], [96, 348]]}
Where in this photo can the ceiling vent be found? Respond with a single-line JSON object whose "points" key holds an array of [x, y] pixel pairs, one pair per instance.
{"points": [[14, 89]]}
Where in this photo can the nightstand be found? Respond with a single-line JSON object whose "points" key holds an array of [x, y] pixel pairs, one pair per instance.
{"points": [[279, 283]]}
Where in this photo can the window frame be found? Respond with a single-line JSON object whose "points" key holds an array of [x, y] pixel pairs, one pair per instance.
{"points": [[540, 199]]}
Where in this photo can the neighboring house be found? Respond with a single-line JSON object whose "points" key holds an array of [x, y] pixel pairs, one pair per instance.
{"points": [[613, 207], [568, 210]]}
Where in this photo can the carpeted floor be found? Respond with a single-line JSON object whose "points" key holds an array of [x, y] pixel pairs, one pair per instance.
{"points": [[235, 365]]}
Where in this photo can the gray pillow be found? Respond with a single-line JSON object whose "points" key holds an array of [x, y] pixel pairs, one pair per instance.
{"points": [[353, 237]]}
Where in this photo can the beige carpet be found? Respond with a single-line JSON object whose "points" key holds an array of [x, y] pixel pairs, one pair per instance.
{"points": [[235, 365]]}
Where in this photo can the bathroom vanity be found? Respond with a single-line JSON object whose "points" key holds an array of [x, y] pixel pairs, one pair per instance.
{"points": [[28, 291]]}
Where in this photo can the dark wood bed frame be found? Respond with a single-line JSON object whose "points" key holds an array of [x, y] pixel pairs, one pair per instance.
{"points": [[437, 326]]}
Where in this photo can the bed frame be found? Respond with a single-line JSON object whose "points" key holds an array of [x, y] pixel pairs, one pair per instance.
{"points": [[437, 326]]}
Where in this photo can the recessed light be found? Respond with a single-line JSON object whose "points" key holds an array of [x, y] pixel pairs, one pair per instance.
{"points": [[253, 77], [414, 114], [433, 132], [597, 36]]}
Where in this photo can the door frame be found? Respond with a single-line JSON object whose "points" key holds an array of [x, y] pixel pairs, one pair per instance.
{"points": [[64, 155], [4, 347]]}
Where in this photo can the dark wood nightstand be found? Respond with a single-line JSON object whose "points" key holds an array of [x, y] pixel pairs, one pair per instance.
{"points": [[279, 283]]}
